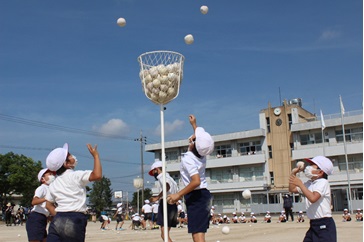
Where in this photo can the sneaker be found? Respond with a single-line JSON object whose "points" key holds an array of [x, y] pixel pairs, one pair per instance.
{"points": [[121, 229]]}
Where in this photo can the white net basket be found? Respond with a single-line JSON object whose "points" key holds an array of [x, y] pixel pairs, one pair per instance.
{"points": [[161, 73]]}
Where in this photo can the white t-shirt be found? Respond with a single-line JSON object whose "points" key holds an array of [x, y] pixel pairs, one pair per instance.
{"points": [[179, 208], [322, 207], [41, 192], [192, 165], [120, 210], [147, 208], [155, 207], [69, 191], [172, 184]]}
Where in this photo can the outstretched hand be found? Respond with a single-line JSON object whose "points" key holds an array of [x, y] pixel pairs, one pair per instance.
{"points": [[93, 150]]}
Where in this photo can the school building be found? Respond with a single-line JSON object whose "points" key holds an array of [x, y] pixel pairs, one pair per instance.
{"points": [[261, 159]]}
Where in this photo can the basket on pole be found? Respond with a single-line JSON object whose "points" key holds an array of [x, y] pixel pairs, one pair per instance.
{"points": [[161, 73]]}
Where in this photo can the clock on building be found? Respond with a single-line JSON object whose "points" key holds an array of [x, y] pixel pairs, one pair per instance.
{"points": [[279, 122], [277, 111]]}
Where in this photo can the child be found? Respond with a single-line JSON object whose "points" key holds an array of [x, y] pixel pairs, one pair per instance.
{"points": [[252, 219], [147, 211], [156, 171], [234, 218], [155, 208], [346, 215], [119, 216], [359, 215], [192, 169], [282, 217], [267, 217], [242, 218], [36, 225], [68, 191], [318, 198], [300, 217]]}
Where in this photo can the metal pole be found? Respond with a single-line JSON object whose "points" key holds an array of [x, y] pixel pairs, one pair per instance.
{"points": [[142, 161], [138, 200], [165, 222]]}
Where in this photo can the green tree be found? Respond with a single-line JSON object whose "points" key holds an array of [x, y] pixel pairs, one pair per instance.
{"points": [[147, 194], [18, 175], [100, 195]]}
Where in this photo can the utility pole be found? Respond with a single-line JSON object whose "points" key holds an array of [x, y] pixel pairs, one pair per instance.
{"points": [[142, 141]]}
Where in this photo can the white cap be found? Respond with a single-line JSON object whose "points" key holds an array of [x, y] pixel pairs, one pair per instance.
{"points": [[225, 216], [41, 173], [212, 207], [323, 163], [57, 157], [345, 209], [300, 212], [268, 212], [156, 164], [204, 142], [252, 213], [179, 201], [146, 201], [234, 213], [119, 205], [283, 211]]}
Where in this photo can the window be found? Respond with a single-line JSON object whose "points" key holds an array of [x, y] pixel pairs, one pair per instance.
{"points": [[172, 156], [289, 120], [224, 200], [223, 150], [251, 173], [312, 138], [270, 152], [355, 163], [351, 135], [268, 125], [250, 148], [221, 175]]}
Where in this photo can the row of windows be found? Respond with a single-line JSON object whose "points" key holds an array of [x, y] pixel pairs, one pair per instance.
{"points": [[226, 174], [351, 135]]}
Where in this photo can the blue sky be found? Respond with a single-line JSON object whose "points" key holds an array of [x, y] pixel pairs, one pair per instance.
{"points": [[68, 63]]}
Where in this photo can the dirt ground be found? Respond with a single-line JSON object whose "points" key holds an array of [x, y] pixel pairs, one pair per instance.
{"points": [[280, 232]]}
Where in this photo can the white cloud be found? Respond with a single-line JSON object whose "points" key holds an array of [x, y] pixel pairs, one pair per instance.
{"points": [[329, 34], [113, 127], [169, 128]]}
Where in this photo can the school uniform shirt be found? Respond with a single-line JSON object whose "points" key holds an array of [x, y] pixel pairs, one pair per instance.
{"points": [[268, 216], [172, 184], [147, 208], [179, 208], [69, 191], [155, 207], [41, 192], [192, 165], [120, 211], [322, 207]]}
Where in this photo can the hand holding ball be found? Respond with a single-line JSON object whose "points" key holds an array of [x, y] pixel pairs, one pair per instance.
{"points": [[300, 165], [121, 22], [189, 39]]}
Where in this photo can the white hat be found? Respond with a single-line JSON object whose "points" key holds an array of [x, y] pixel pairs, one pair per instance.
{"points": [[283, 211], [57, 157], [41, 173], [268, 212], [212, 207], [345, 209], [242, 213], [146, 201], [252, 213], [204, 142], [179, 201], [234, 213], [156, 164], [225, 216], [119, 205], [300, 212], [323, 163]]}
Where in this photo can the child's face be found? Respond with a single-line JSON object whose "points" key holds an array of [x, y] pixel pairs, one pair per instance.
{"points": [[317, 171]]}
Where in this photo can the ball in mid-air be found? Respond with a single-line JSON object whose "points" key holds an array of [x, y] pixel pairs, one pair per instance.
{"points": [[300, 165], [189, 39], [204, 9], [225, 230], [121, 22], [246, 194]]}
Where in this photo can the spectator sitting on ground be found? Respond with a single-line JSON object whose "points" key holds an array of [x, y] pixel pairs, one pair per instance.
{"points": [[220, 219], [359, 215], [282, 217], [234, 218], [346, 215], [225, 219], [252, 219], [242, 218], [300, 217], [267, 217]]}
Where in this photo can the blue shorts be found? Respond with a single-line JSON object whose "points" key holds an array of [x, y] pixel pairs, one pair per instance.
{"points": [[197, 203], [67, 227], [323, 229], [36, 226], [171, 215]]}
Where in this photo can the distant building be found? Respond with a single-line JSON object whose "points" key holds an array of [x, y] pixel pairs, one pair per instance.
{"points": [[261, 159]]}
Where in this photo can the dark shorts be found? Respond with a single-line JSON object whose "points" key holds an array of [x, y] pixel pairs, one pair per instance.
{"points": [[323, 229], [197, 203], [36, 226], [171, 215], [148, 216], [182, 215], [136, 222], [68, 227], [119, 218]]}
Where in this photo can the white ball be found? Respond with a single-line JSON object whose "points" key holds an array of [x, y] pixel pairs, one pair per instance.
{"points": [[300, 165], [204, 9], [246, 194], [121, 22], [225, 230], [189, 39]]}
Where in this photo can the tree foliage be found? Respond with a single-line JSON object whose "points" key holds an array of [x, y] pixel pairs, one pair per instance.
{"points": [[18, 175], [147, 194], [100, 195]]}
